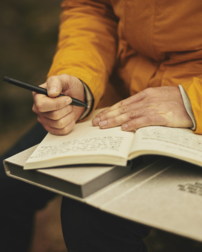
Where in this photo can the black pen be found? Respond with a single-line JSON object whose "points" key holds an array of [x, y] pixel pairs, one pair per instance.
{"points": [[40, 90]]}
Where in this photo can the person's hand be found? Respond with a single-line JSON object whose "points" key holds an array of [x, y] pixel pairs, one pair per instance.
{"points": [[161, 106], [56, 114]]}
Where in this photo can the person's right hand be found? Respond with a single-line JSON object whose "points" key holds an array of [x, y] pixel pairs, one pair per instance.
{"points": [[56, 114]]}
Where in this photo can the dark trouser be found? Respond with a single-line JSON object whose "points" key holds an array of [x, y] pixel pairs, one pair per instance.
{"points": [[19, 200], [87, 229]]}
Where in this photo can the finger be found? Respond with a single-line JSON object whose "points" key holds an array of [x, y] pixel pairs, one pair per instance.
{"points": [[121, 119], [132, 99], [54, 86], [109, 114], [57, 124], [46, 104], [120, 111], [103, 111], [149, 120], [112, 108], [54, 115], [58, 114], [102, 117], [60, 132], [58, 84]]}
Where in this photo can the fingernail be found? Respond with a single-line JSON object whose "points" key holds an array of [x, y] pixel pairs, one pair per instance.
{"points": [[124, 126], [68, 100], [52, 90], [96, 121], [103, 123]]}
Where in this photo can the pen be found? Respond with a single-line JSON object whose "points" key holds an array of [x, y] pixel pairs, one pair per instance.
{"points": [[40, 90]]}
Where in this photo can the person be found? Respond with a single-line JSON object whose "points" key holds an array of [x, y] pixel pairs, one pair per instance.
{"points": [[145, 57]]}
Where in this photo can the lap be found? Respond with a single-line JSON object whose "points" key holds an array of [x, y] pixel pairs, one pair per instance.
{"points": [[16, 189], [87, 229], [20, 200]]}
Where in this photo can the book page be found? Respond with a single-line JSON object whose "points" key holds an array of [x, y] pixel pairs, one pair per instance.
{"points": [[174, 142], [84, 140]]}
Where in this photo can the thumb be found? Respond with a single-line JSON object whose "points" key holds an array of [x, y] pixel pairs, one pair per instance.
{"points": [[54, 86]]}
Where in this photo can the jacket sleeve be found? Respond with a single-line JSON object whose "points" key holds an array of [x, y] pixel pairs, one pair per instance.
{"points": [[193, 88], [87, 43]]}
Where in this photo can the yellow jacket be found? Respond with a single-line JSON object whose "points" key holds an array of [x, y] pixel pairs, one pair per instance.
{"points": [[146, 43]]}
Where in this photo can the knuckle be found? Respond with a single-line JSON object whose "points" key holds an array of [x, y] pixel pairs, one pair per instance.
{"points": [[123, 109], [132, 114], [54, 115], [65, 131], [61, 124], [121, 104]]}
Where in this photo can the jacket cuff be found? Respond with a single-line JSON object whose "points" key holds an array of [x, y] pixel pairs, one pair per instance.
{"points": [[187, 105], [89, 101]]}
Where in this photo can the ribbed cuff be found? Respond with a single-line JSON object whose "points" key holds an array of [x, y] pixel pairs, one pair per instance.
{"points": [[187, 105], [88, 99]]}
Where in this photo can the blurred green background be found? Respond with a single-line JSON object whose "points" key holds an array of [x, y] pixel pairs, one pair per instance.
{"points": [[29, 30]]}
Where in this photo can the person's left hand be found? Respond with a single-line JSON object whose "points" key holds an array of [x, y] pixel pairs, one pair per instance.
{"points": [[161, 106]]}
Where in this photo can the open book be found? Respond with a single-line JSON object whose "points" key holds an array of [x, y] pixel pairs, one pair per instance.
{"points": [[91, 145], [160, 192], [79, 181]]}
